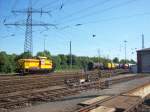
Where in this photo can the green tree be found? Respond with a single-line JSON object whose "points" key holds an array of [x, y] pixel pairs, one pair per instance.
{"points": [[57, 61], [84, 62], [13, 62], [44, 53], [74, 60], [90, 65], [124, 61], [132, 61], [24, 55], [63, 62], [5, 63], [116, 60]]}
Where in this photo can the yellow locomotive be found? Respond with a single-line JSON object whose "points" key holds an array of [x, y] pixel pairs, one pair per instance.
{"points": [[41, 64]]}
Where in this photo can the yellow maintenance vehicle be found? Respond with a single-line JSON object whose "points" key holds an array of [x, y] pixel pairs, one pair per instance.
{"points": [[40, 64]]}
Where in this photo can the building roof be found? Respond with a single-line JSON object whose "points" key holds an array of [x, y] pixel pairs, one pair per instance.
{"points": [[145, 49]]}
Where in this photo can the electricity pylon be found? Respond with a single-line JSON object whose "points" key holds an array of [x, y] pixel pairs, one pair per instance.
{"points": [[28, 44]]}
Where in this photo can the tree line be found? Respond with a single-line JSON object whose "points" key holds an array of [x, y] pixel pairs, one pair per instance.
{"points": [[8, 62]]}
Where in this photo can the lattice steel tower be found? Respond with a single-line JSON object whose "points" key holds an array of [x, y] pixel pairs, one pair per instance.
{"points": [[28, 44]]}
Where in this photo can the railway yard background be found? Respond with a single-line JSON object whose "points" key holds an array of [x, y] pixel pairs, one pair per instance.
{"points": [[78, 56], [69, 104], [62, 92]]}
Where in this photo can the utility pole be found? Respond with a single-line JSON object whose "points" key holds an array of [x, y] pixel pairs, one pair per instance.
{"points": [[125, 44], [44, 43], [70, 55], [98, 56], [142, 41], [28, 44]]}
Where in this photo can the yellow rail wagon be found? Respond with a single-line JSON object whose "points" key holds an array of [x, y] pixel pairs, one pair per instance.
{"points": [[109, 66], [41, 64], [113, 66]]}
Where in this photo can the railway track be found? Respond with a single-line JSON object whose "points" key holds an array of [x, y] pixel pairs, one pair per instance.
{"points": [[23, 83], [26, 97], [19, 83], [57, 75], [130, 101], [34, 96]]}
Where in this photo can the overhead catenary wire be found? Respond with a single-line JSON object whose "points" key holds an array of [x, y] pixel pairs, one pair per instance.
{"points": [[71, 1], [52, 7], [87, 8], [99, 12], [35, 3], [49, 4], [62, 33], [11, 35], [105, 20], [29, 24], [7, 36], [13, 7], [115, 18], [15, 4], [60, 39], [66, 35], [108, 19]]}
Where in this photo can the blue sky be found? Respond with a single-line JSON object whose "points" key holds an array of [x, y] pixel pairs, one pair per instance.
{"points": [[112, 21]]}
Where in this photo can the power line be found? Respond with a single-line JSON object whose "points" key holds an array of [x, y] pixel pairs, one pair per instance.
{"points": [[35, 2], [87, 8], [15, 4], [66, 35], [4, 18], [49, 4], [36, 24], [51, 9], [73, 28], [107, 19], [12, 35], [75, 1], [61, 39], [28, 45], [115, 18], [101, 11], [64, 38]]}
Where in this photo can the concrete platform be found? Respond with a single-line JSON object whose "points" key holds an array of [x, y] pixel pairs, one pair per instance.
{"points": [[69, 104]]}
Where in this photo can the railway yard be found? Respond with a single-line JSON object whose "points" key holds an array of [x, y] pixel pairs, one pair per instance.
{"points": [[78, 56], [69, 92]]}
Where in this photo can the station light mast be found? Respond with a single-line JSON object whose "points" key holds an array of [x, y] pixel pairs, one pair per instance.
{"points": [[125, 50]]}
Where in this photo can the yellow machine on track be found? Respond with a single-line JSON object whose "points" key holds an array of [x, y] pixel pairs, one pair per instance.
{"points": [[41, 64], [109, 66]]}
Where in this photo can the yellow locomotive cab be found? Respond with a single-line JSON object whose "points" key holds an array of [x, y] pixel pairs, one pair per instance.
{"points": [[40, 64]]}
